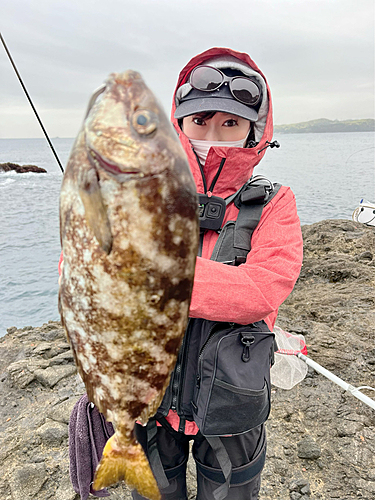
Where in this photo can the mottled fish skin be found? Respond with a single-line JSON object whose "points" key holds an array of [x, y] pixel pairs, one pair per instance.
{"points": [[129, 233]]}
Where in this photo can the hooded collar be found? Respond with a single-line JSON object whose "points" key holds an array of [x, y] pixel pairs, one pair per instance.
{"points": [[239, 162]]}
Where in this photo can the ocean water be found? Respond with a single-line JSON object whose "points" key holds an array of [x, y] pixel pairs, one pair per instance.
{"points": [[329, 174]]}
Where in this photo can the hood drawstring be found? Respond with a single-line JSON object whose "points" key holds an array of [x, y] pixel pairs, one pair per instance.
{"points": [[271, 145]]}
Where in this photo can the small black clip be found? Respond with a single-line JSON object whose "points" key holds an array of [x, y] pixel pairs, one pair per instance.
{"points": [[239, 259], [247, 340]]}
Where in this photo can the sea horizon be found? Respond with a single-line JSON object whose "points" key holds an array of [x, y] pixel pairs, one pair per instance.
{"points": [[275, 125]]}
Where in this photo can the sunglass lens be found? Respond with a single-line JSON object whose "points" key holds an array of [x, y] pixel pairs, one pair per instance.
{"points": [[205, 78], [245, 91]]}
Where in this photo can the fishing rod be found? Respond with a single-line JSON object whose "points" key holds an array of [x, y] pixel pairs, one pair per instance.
{"points": [[31, 103]]}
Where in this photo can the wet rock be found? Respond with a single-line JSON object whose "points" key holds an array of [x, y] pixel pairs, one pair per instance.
{"points": [[53, 433], [62, 359], [26, 481], [50, 376], [332, 305], [65, 490], [348, 428], [21, 169], [5, 490], [366, 256], [42, 349], [20, 375], [298, 485], [51, 335], [295, 496], [62, 411], [308, 448], [22, 372]]}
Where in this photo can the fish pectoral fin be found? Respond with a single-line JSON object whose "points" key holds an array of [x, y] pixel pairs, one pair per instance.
{"points": [[95, 210], [130, 465]]}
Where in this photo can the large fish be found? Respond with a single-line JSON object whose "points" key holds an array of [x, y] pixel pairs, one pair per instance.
{"points": [[129, 233]]}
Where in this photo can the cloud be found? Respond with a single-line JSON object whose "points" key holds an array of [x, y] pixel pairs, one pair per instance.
{"points": [[317, 54]]}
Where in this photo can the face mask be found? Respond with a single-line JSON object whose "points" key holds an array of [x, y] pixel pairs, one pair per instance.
{"points": [[202, 147]]}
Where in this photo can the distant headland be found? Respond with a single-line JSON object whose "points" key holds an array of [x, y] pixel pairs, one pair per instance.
{"points": [[325, 125]]}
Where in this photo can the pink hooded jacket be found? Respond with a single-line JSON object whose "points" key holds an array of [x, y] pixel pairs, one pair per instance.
{"points": [[254, 290]]}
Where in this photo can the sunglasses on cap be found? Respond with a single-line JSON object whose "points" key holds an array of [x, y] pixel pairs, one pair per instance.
{"points": [[242, 88]]}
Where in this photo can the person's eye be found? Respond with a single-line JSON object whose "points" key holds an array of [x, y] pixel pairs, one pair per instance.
{"points": [[231, 123], [198, 121]]}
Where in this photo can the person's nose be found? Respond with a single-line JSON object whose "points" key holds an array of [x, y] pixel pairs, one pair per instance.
{"points": [[212, 134]]}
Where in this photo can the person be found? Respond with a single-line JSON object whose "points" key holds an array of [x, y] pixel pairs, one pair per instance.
{"points": [[222, 112]]}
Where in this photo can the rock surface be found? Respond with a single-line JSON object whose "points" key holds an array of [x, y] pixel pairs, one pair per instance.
{"points": [[321, 440], [21, 169]]}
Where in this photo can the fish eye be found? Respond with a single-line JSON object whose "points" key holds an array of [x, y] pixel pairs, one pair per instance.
{"points": [[142, 120], [145, 122]]}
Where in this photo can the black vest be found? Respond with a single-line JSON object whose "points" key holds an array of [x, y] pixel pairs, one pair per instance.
{"points": [[221, 379]]}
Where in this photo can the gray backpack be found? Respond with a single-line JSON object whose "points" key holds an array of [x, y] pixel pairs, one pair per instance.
{"points": [[232, 390]]}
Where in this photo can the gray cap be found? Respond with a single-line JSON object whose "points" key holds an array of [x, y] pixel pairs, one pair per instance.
{"points": [[222, 100]]}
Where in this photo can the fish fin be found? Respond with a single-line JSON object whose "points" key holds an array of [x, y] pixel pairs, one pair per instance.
{"points": [[129, 464], [150, 410], [95, 211], [62, 317]]}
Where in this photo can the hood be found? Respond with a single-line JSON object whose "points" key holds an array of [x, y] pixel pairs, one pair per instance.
{"points": [[239, 162]]}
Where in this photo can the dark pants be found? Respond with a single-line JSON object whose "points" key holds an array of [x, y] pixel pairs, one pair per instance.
{"points": [[245, 451]]}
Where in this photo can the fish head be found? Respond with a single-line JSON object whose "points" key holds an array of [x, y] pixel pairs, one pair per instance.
{"points": [[127, 133]]}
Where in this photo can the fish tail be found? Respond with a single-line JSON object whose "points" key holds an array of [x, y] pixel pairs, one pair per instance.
{"points": [[129, 464]]}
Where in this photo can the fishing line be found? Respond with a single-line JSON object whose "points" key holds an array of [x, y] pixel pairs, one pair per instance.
{"points": [[31, 103]]}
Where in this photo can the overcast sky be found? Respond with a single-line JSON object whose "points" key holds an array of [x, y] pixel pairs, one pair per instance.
{"points": [[318, 55]]}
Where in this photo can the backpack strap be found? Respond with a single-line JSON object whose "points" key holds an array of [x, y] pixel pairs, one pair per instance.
{"points": [[228, 476], [234, 242], [225, 464], [251, 203], [154, 456]]}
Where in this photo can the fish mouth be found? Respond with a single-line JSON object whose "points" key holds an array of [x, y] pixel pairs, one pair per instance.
{"points": [[112, 168]]}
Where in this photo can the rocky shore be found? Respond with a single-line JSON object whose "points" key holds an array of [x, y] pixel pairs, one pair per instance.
{"points": [[21, 169], [321, 440]]}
